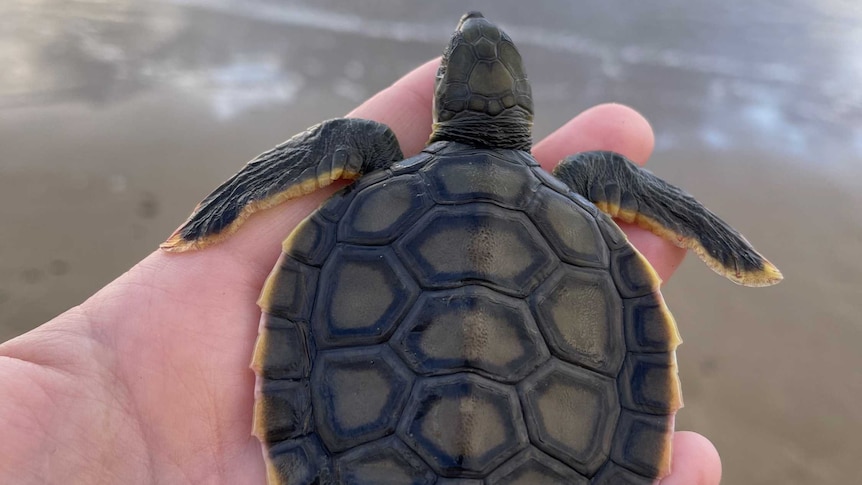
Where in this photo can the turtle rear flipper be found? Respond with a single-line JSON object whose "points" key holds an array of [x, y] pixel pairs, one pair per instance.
{"points": [[625, 191], [342, 148]]}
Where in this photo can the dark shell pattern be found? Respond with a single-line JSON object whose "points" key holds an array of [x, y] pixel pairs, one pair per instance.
{"points": [[462, 317]]}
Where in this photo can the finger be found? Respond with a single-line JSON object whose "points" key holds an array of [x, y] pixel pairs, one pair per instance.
{"points": [[405, 107], [695, 461], [613, 127], [623, 130]]}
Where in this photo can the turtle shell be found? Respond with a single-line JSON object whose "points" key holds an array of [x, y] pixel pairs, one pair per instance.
{"points": [[462, 317]]}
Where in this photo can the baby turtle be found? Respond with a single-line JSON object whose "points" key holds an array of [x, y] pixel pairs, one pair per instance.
{"points": [[461, 316]]}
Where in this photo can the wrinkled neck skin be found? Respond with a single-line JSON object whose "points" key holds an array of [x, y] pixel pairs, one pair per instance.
{"points": [[511, 129]]}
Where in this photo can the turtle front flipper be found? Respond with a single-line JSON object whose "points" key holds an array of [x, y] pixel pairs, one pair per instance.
{"points": [[627, 192], [342, 148]]}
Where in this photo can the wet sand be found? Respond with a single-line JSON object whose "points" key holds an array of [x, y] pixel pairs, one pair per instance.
{"points": [[116, 119]]}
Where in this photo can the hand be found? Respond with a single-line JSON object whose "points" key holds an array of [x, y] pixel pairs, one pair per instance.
{"points": [[148, 380]]}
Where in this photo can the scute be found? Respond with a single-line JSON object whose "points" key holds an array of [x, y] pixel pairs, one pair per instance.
{"points": [[477, 242], [649, 438], [298, 462], [481, 177], [290, 289], [380, 212], [358, 394], [545, 355], [532, 467], [646, 324], [282, 350], [312, 240], [364, 293], [649, 383], [282, 410], [463, 424], [384, 462], [572, 231], [633, 275], [571, 414], [581, 316], [471, 329], [613, 474]]}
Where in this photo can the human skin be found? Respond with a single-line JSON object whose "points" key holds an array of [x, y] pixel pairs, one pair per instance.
{"points": [[148, 380]]}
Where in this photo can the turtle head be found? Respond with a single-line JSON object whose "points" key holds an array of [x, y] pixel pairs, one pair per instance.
{"points": [[482, 96]]}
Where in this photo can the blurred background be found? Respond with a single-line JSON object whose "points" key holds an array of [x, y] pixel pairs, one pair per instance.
{"points": [[116, 117]]}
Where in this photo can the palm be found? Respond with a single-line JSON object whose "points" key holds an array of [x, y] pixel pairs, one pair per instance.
{"points": [[148, 381]]}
